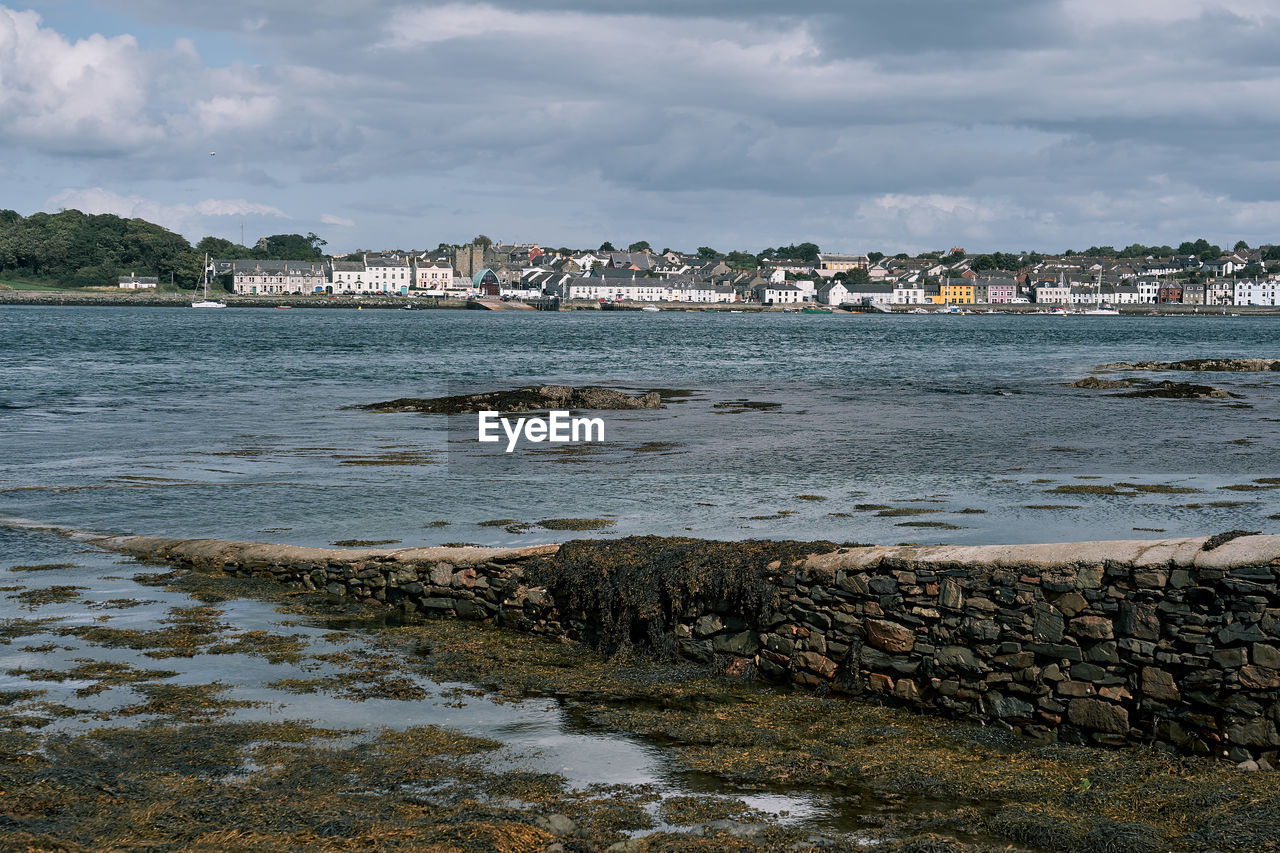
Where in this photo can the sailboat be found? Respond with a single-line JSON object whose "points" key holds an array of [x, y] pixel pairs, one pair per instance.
{"points": [[206, 302], [1103, 307]]}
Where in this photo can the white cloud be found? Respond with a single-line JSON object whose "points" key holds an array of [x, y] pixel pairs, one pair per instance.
{"points": [[181, 218], [91, 93], [339, 221]]}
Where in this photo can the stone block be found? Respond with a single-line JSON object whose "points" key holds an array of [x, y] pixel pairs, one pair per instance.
{"points": [[1092, 627], [1159, 685], [1098, 716], [890, 636], [1267, 656]]}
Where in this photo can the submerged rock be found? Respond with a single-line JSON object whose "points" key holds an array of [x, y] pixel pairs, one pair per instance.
{"points": [[1180, 391], [1235, 365], [1150, 388], [528, 399], [1095, 382]]}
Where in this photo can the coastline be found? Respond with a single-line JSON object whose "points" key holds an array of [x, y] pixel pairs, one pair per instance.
{"points": [[335, 722], [70, 298], [1104, 642]]}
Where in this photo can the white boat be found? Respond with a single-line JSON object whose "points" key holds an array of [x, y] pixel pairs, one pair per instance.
{"points": [[206, 302], [918, 311], [1058, 311], [651, 308], [1103, 307]]}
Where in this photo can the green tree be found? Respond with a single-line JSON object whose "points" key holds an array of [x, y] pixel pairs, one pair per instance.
{"points": [[875, 257], [706, 253], [807, 252], [1241, 244], [640, 246], [858, 275], [289, 247], [606, 246], [482, 240], [741, 260]]}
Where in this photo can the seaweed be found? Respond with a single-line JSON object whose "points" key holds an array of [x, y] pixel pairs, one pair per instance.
{"points": [[575, 523], [634, 589], [1220, 539]]}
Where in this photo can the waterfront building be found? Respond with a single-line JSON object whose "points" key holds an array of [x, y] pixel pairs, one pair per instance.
{"points": [[1001, 291], [907, 293], [1250, 291], [432, 277], [779, 294], [834, 294], [387, 275], [1170, 292], [276, 277], [138, 282], [957, 292], [1058, 293]]}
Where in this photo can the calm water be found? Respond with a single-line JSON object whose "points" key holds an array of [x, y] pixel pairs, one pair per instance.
{"points": [[231, 424]]}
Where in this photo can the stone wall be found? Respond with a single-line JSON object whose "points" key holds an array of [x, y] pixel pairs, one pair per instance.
{"points": [[1108, 643]]}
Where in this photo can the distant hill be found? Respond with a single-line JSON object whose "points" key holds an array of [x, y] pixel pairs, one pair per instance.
{"points": [[71, 248]]}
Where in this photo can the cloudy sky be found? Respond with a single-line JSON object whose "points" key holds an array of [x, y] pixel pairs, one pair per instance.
{"points": [[739, 124]]}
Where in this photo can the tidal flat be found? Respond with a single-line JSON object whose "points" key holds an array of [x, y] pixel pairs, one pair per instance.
{"points": [[226, 713]]}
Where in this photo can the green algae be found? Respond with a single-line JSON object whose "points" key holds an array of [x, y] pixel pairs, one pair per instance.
{"points": [[576, 523], [899, 512], [44, 567], [34, 598]]}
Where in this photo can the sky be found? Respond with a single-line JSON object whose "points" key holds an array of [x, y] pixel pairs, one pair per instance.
{"points": [[860, 125]]}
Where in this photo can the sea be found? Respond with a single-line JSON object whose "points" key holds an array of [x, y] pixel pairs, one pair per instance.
{"points": [[245, 424]]}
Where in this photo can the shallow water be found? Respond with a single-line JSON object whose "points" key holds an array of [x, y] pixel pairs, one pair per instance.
{"points": [[536, 734], [231, 424]]}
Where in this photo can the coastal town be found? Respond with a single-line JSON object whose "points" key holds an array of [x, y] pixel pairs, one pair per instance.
{"points": [[525, 272]]}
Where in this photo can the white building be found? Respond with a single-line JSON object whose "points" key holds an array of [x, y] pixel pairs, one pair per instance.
{"points": [[387, 275], [780, 294], [1253, 292], [347, 276], [1148, 291], [271, 277], [432, 277], [869, 295], [1052, 294], [138, 282], [908, 293], [834, 294]]}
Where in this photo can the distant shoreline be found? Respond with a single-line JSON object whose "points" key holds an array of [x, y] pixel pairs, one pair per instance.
{"points": [[183, 300]]}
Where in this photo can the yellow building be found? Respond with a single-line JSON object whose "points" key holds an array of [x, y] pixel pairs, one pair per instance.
{"points": [[957, 292]]}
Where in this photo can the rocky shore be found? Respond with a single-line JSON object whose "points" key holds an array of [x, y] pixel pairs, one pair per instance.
{"points": [[1172, 642]]}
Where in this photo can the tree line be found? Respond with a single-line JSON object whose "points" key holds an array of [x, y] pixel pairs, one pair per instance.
{"points": [[71, 248]]}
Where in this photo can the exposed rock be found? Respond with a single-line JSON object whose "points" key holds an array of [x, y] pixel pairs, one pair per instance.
{"points": [[1095, 382], [1225, 365], [528, 399], [556, 824], [1180, 391]]}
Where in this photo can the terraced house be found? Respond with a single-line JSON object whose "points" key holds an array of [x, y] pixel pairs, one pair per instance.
{"points": [[273, 277]]}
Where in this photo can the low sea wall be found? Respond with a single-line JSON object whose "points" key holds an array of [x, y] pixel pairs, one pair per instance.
{"points": [[1173, 642]]}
